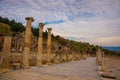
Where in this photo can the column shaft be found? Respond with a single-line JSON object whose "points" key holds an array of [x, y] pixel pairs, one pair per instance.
{"points": [[40, 47], [99, 57], [103, 65], [49, 45], [27, 42], [6, 53]]}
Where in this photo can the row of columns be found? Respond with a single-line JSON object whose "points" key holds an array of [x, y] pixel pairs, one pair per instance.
{"points": [[26, 51], [40, 41]]}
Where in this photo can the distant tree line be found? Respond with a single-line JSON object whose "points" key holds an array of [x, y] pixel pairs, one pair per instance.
{"points": [[14, 26]]}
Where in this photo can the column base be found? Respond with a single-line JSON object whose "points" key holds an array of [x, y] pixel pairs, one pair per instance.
{"points": [[39, 64]]}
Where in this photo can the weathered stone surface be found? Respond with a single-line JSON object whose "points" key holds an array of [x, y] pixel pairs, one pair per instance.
{"points": [[49, 45], [40, 45], [76, 70], [108, 75], [79, 78], [107, 79], [53, 77], [27, 42], [5, 55], [99, 57]]}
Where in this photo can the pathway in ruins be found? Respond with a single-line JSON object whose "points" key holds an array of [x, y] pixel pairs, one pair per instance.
{"points": [[75, 70]]}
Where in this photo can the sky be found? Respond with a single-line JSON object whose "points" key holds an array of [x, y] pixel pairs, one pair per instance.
{"points": [[94, 21]]}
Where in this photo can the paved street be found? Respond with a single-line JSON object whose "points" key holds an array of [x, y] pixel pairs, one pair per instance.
{"points": [[75, 70]]}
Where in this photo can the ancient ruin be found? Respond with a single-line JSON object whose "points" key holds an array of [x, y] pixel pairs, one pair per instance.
{"points": [[5, 55], [40, 47], [25, 50], [49, 45], [27, 42], [100, 60]]}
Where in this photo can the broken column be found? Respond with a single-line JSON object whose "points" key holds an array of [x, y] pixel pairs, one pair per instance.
{"points": [[5, 56], [26, 51], [40, 41], [99, 56], [49, 45], [103, 65]]}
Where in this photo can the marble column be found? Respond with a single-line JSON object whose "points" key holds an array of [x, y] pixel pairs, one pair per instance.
{"points": [[40, 47], [49, 45], [26, 51], [6, 52]]}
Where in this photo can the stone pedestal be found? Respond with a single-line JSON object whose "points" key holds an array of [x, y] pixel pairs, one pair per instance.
{"points": [[49, 45], [26, 51], [40, 41]]}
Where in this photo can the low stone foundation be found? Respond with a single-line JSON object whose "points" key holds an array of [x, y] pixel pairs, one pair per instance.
{"points": [[17, 58]]}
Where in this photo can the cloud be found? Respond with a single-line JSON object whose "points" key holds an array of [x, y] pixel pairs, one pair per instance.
{"points": [[107, 41], [89, 31], [81, 20]]}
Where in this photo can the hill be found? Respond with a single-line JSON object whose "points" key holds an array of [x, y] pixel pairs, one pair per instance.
{"points": [[5, 29], [13, 25]]}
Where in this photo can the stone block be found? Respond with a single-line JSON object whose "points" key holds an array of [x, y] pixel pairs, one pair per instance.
{"points": [[108, 75]]}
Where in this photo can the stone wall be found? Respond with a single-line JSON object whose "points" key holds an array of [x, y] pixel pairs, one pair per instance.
{"points": [[18, 43], [58, 55]]}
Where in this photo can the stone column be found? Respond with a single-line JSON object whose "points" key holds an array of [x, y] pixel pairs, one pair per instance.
{"points": [[103, 65], [5, 57], [26, 51], [84, 55], [49, 45], [99, 56], [40, 41]]}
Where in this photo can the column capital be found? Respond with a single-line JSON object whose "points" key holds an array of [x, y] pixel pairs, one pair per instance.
{"points": [[41, 25], [29, 18], [49, 29]]}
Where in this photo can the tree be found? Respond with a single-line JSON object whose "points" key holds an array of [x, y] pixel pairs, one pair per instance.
{"points": [[15, 26], [35, 31]]}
